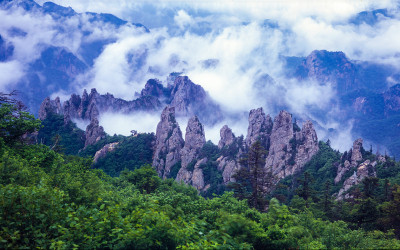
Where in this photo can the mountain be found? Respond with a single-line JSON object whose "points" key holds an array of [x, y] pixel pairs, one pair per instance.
{"points": [[187, 98], [289, 147], [56, 69]]}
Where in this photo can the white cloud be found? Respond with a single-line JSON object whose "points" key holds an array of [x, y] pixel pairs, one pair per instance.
{"points": [[236, 38], [182, 19], [10, 73], [114, 123]]}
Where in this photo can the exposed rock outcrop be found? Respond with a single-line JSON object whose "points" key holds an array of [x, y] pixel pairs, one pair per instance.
{"points": [[350, 160], [194, 142], [325, 66], [259, 129], [169, 143], [306, 145], [228, 167], [104, 151], [356, 155], [289, 150], [50, 106], [365, 169], [227, 137], [91, 106], [353, 161], [190, 99], [154, 88], [228, 162], [94, 132], [279, 151]]}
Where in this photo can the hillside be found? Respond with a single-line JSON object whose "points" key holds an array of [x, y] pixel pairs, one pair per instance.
{"points": [[52, 200]]}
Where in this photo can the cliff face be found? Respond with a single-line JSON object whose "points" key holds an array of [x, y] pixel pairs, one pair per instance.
{"points": [[289, 149], [94, 132], [190, 172], [333, 67], [259, 129], [280, 149], [49, 106], [187, 98], [169, 143]]}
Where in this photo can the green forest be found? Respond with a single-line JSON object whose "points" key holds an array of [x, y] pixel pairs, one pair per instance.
{"points": [[53, 197]]}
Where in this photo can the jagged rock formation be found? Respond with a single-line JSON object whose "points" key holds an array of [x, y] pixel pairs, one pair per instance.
{"points": [[353, 161], [306, 142], [154, 88], [189, 99], [228, 163], [288, 150], [260, 127], [349, 160], [325, 66], [280, 150], [49, 106], [194, 142], [94, 132], [365, 169], [104, 150], [169, 143], [92, 105], [227, 137]]}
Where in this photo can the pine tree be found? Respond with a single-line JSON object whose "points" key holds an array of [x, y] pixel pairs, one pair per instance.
{"points": [[305, 190], [253, 180]]}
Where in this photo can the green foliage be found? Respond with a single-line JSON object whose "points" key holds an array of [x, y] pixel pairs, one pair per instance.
{"points": [[252, 180], [52, 201], [131, 153], [144, 178], [70, 138], [14, 123]]}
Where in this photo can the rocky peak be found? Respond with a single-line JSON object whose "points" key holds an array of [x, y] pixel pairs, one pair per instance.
{"points": [[306, 142], [154, 88], [194, 137], [50, 106], [282, 133], [94, 132], [260, 127], [227, 137], [169, 143], [356, 155], [350, 160], [194, 142], [185, 94], [325, 66]]}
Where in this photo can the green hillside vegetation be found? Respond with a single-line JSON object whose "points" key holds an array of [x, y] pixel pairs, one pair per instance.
{"points": [[67, 138], [55, 201], [131, 153]]}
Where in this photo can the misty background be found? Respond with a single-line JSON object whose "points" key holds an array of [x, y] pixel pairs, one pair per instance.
{"points": [[237, 51]]}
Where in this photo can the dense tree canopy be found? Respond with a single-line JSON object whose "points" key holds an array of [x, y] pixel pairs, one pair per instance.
{"points": [[55, 201]]}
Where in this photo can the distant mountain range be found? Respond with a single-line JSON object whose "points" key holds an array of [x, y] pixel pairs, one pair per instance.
{"points": [[367, 93]]}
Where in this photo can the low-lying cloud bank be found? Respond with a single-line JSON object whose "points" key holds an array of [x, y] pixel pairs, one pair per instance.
{"points": [[231, 48]]}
